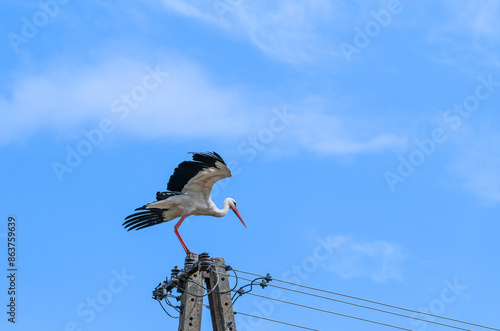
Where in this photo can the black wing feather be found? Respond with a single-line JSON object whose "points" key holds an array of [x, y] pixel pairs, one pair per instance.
{"points": [[188, 169], [165, 195], [208, 158]]}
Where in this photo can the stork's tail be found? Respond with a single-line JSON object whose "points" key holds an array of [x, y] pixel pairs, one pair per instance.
{"points": [[143, 219]]}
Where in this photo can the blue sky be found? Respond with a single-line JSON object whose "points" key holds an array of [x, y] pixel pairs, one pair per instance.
{"points": [[363, 138]]}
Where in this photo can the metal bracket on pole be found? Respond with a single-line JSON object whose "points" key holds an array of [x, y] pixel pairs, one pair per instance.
{"points": [[221, 305]]}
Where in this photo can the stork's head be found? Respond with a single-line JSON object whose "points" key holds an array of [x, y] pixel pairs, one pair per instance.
{"points": [[232, 205]]}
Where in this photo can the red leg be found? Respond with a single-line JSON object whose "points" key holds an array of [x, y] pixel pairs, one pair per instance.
{"points": [[176, 230]]}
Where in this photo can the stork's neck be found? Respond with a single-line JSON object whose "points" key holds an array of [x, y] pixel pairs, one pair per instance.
{"points": [[225, 208]]}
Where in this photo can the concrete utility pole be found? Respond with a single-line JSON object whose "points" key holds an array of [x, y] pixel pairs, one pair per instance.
{"points": [[192, 297], [189, 282], [221, 304]]}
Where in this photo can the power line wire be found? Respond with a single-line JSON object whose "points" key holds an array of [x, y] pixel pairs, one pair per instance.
{"points": [[271, 320], [366, 307], [227, 268], [330, 312], [240, 292], [275, 321], [159, 301], [374, 302]]}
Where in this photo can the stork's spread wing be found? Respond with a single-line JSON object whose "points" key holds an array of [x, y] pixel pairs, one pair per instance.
{"points": [[198, 176], [194, 177]]}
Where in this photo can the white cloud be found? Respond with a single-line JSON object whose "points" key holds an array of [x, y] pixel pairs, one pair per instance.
{"points": [[465, 35], [196, 9], [183, 104], [288, 31], [379, 260], [476, 17], [292, 31], [320, 129], [476, 163], [376, 144], [309, 32]]}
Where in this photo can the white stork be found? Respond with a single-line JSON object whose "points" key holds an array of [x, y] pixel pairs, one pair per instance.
{"points": [[188, 193]]}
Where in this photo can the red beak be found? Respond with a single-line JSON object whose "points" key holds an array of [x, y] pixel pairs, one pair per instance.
{"points": [[239, 216]]}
